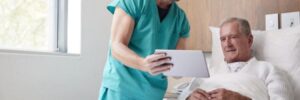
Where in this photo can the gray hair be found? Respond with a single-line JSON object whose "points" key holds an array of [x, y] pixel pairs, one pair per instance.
{"points": [[244, 26]]}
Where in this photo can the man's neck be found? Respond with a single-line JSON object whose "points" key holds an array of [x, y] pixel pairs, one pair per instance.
{"points": [[246, 59]]}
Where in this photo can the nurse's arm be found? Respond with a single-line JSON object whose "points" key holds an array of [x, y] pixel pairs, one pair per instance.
{"points": [[181, 45], [122, 28]]}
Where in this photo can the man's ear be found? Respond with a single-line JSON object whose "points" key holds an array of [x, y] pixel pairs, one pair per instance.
{"points": [[250, 40]]}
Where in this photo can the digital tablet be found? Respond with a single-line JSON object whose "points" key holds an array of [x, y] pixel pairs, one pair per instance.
{"points": [[187, 63]]}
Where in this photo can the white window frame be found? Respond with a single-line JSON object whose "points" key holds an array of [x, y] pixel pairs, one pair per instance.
{"points": [[60, 37], [74, 27], [61, 41]]}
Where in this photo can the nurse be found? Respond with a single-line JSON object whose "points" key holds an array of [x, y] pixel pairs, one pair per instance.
{"points": [[133, 70]]}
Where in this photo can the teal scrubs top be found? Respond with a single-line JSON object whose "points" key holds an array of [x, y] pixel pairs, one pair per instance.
{"points": [[148, 34]]}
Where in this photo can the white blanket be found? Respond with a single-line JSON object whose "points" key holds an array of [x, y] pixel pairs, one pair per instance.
{"points": [[244, 84]]}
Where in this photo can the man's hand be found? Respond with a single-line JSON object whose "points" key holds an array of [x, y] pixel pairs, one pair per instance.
{"points": [[199, 94], [223, 94]]}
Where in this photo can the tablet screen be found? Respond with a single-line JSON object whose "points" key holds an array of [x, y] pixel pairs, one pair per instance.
{"points": [[187, 63]]}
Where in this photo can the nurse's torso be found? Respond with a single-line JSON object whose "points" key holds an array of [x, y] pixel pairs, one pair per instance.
{"points": [[148, 34]]}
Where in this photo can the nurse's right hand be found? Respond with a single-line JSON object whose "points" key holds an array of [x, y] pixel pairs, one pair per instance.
{"points": [[157, 63]]}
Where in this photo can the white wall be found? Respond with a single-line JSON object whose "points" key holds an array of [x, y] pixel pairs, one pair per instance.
{"points": [[58, 77]]}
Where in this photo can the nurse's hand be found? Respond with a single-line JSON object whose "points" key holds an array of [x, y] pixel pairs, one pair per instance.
{"points": [[156, 63]]}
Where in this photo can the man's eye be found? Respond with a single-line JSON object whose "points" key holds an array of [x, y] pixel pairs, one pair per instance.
{"points": [[222, 39]]}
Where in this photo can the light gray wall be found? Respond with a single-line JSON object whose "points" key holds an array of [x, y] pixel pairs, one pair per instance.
{"points": [[58, 77]]}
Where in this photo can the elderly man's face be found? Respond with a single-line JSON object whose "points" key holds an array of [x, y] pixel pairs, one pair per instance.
{"points": [[235, 46]]}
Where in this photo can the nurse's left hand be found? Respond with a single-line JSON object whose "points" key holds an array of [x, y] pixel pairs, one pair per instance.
{"points": [[156, 63]]}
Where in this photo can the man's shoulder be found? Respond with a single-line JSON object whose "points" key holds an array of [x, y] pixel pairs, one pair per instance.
{"points": [[275, 77], [266, 64], [267, 68]]}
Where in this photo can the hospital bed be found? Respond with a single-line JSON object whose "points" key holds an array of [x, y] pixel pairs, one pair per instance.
{"points": [[279, 47]]}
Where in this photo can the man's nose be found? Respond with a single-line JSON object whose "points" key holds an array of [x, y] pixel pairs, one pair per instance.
{"points": [[228, 42]]}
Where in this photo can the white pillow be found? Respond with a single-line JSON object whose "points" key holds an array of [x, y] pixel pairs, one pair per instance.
{"points": [[279, 47]]}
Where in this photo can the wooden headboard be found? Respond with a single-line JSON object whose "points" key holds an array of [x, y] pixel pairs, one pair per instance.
{"points": [[205, 13]]}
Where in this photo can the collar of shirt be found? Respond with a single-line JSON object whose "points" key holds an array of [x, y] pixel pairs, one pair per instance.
{"points": [[236, 66]]}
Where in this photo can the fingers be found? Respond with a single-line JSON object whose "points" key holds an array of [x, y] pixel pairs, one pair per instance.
{"points": [[218, 94], [159, 69], [203, 93], [216, 91], [160, 62], [215, 96], [155, 57], [160, 53], [157, 63], [199, 95]]}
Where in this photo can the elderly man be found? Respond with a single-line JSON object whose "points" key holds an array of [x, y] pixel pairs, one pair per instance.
{"points": [[236, 41]]}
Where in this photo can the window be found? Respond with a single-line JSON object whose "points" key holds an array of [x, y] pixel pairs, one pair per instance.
{"points": [[39, 25], [74, 27]]}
